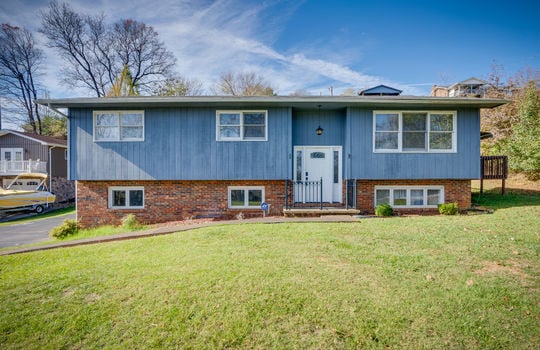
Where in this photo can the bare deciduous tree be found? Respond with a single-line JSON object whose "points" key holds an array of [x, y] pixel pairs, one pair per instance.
{"points": [[97, 53], [243, 84], [138, 47], [20, 62]]}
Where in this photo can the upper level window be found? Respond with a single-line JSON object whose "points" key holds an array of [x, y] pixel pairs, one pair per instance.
{"points": [[241, 125], [414, 131], [118, 125]]}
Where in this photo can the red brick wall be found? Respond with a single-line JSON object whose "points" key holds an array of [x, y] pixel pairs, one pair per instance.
{"points": [[172, 201], [454, 191], [180, 200]]}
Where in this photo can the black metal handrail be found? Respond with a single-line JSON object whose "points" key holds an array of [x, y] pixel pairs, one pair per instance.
{"points": [[303, 193]]}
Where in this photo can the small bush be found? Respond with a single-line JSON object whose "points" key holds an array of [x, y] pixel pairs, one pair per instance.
{"points": [[130, 222], [68, 228], [448, 208], [384, 210]]}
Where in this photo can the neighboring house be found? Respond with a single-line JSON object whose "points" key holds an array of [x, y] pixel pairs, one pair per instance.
{"points": [[472, 87], [380, 90], [22, 152], [174, 158]]}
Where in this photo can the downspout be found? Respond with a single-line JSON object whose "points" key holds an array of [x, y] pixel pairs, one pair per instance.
{"points": [[50, 167]]}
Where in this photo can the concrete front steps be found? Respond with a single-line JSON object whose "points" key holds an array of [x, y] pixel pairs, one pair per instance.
{"points": [[318, 212]]}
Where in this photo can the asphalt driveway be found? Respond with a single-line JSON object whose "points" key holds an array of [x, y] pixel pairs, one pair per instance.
{"points": [[31, 231]]}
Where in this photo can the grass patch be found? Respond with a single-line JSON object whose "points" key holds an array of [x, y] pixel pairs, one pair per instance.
{"points": [[98, 232], [410, 282], [492, 198], [495, 200], [59, 212]]}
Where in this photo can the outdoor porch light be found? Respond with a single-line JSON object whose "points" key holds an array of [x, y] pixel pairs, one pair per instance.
{"points": [[319, 130]]}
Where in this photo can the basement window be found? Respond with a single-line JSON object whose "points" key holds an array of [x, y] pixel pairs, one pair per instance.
{"points": [[126, 197], [245, 197], [410, 196]]}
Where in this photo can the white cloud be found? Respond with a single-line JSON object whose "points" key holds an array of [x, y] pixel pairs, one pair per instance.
{"points": [[212, 37]]}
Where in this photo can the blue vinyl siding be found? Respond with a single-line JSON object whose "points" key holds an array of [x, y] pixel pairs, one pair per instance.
{"points": [[180, 144], [305, 122], [365, 164]]}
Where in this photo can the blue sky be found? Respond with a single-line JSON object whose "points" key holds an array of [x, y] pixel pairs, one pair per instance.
{"points": [[312, 45]]}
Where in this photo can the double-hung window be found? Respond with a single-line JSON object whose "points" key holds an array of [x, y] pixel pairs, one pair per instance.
{"points": [[241, 125], [126, 197], [410, 196], [118, 125], [410, 131], [245, 197]]}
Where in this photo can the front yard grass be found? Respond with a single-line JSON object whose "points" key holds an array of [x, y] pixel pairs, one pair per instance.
{"points": [[404, 283]]}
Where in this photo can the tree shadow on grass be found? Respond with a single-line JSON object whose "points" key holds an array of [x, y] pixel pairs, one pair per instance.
{"points": [[514, 197]]}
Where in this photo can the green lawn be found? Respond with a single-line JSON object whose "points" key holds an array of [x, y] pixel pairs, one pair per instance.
{"points": [[463, 282]]}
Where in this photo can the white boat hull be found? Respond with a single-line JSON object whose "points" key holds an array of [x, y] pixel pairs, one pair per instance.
{"points": [[11, 199]]}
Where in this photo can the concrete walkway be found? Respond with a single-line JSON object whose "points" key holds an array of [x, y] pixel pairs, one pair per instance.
{"points": [[178, 227]]}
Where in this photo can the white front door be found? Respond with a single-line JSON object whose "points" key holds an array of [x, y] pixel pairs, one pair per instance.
{"points": [[316, 163]]}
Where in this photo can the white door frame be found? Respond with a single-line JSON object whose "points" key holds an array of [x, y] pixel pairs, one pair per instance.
{"points": [[333, 182]]}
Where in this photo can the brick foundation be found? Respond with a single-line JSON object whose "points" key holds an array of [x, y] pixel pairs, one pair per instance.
{"points": [[172, 201], [454, 191], [180, 200]]}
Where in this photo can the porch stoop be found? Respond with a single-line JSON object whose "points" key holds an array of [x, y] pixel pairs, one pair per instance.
{"points": [[314, 212]]}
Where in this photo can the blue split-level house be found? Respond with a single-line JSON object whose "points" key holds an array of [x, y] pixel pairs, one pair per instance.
{"points": [[174, 158]]}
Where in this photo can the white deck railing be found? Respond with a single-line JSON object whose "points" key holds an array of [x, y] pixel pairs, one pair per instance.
{"points": [[14, 167]]}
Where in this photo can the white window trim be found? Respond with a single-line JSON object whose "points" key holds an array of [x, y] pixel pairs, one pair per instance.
{"points": [[241, 137], [246, 198], [125, 189], [118, 112], [428, 131], [409, 188]]}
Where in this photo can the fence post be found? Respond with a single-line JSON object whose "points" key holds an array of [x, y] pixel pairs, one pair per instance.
{"points": [[482, 175], [505, 174]]}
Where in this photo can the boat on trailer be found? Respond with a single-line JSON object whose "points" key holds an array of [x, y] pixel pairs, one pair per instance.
{"points": [[36, 199]]}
